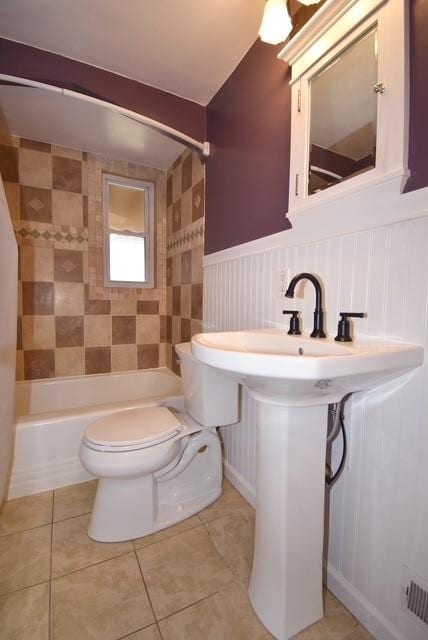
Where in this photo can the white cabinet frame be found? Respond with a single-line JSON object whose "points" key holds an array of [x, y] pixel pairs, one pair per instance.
{"points": [[332, 29]]}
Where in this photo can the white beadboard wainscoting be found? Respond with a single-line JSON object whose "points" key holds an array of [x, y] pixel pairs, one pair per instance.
{"points": [[378, 523]]}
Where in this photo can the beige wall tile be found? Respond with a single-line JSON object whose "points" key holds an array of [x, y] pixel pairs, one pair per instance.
{"points": [[198, 169], [169, 356], [195, 327], [19, 299], [197, 257], [69, 361], [124, 357], [148, 329], [67, 208], [38, 332], [176, 269], [176, 183], [97, 331], [162, 354], [64, 152], [186, 208], [69, 298], [176, 330], [37, 264], [123, 307], [35, 168], [186, 300], [19, 366], [9, 140], [13, 199]]}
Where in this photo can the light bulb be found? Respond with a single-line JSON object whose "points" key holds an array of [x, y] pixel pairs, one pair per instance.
{"points": [[276, 23]]}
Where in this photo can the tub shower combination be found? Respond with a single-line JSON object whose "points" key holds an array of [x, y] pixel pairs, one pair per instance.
{"points": [[52, 417]]}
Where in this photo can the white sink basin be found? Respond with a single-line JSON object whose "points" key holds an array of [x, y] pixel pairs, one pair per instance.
{"points": [[293, 379], [301, 370]]}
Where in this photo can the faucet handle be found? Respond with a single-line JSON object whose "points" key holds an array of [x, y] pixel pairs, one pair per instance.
{"points": [[294, 329], [344, 326]]}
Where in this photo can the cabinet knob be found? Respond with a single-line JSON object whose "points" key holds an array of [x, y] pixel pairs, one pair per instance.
{"points": [[379, 87]]}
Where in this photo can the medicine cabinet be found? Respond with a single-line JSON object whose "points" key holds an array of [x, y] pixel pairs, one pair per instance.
{"points": [[349, 119]]}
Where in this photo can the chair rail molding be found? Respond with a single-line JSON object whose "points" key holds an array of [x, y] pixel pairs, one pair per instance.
{"points": [[367, 208]]}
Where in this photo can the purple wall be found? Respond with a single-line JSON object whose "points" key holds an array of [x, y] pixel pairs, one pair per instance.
{"points": [[418, 134], [249, 128], [27, 62], [247, 173]]}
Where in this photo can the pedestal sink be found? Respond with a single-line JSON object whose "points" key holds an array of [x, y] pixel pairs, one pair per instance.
{"points": [[293, 379]]}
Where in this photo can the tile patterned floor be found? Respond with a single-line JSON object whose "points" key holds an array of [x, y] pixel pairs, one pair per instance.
{"points": [[187, 582]]}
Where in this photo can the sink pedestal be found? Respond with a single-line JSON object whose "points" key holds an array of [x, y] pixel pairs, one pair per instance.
{"points": [[286, 580]]}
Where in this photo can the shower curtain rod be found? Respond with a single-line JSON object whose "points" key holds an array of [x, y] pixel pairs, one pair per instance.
{"points": [[203, 148]]}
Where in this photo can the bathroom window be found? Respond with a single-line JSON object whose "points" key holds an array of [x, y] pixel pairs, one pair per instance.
{"points": [[128, 232]]}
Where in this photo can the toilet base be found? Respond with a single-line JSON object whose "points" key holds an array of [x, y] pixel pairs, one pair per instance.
{"points": [[129, 508]]}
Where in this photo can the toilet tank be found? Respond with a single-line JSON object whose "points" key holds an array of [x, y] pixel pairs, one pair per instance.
{"points": [[211, 396]]}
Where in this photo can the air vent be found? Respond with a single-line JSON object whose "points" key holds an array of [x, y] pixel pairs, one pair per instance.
{"points": [[417, 601]]}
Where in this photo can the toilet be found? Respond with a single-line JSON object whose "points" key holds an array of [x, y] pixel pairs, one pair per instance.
{"points": [[157, 466]]}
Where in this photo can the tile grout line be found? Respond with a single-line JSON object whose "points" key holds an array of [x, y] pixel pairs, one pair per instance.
{"points": [[95, 564], [30, 586], [147, 592], [170, 615], [14, 533]]}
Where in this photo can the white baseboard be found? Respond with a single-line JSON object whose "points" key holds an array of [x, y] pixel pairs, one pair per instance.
{"points": [[361, 608], [244, 488], [31, 480]]}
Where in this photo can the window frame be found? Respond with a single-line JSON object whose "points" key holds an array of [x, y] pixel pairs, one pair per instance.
{"points": [[149, 234]]}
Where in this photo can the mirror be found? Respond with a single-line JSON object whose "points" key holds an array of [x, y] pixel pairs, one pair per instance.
{"points": [[343, 115], [129, 220]]}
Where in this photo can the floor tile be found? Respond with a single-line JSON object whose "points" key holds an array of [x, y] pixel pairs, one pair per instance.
{"points": [[24, 558], [103, 602], [359, 634], [181, 570], [185, 525], [229, 500], [336, 624], [150, 633], [24, 615], [26, 513], [233, 537], [72, 549], [74, 500], [226, 615]]}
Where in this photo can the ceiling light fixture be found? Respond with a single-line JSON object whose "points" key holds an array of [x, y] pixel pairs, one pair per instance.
{"points": [[276, 22]]}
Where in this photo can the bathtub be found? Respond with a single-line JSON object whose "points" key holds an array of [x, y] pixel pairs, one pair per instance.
{"points": [[52, 415]]}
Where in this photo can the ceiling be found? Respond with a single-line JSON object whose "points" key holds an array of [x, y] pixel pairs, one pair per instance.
{"points": [[185, 47], [70, 122]]}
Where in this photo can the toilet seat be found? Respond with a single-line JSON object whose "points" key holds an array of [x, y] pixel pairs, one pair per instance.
{"points": [[133, 429]]}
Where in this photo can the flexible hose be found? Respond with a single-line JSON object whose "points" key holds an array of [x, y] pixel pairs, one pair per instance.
{"points": [[332, 479], [338, 425]]}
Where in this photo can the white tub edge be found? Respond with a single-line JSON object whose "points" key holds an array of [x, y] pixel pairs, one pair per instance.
{"points": [[37, 479]]}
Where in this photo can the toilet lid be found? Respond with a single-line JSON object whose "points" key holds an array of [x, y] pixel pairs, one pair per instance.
{"points": [[149, 426]]}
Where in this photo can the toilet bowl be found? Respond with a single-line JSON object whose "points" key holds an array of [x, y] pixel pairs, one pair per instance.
{"points": [[157, 466]]}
